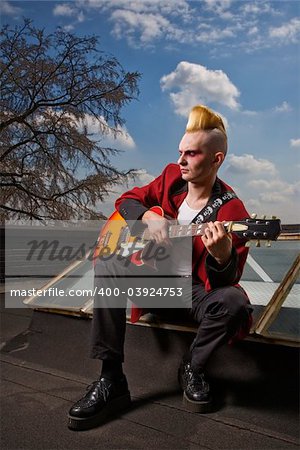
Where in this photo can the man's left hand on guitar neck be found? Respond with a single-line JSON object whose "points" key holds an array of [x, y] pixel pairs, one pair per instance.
{"points": [[218, 242]]}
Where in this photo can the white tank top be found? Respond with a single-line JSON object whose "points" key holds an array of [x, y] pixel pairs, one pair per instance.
{"points": [[186, 214], [181, 250]]}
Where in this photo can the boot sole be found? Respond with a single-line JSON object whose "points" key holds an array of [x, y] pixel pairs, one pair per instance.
{"points": [[198, 407], [113, 408]]}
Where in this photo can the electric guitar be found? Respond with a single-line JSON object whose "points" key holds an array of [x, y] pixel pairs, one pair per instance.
{"points": [[115, 235]]}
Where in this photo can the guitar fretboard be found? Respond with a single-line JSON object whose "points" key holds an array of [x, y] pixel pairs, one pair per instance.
{"points": [[176, 231]]}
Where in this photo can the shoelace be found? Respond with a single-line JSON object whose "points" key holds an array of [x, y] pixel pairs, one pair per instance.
{"points": [[197, 380], [100, 388]]}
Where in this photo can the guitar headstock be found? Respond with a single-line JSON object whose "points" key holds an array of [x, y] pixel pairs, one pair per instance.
{"points": [[257, 229]]}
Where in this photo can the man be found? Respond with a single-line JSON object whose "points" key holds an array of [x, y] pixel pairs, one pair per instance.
{"points": [[186, 191]]}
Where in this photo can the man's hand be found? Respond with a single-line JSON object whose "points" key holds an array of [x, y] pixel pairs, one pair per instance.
{"points": [[158, 227], [217, 242]]}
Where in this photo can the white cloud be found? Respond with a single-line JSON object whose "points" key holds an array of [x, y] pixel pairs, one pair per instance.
{"points": [[143, 22], [9, 9], [142, 178], [152, 6], [197, 84], [272, 197], [258, 8], [120, 139], [69, 27], [275, 186], [150, 26], [274, 205], [214, 34], [275, 197], [253, 30], [165, 8], [248, 112], [64, 9], [251, 8], [219, 5], [288, 32], [235, 25], [262, 189], [220, 8], [249, 164], [284, 107], [99, 130], [295, 143], [80, 17]]}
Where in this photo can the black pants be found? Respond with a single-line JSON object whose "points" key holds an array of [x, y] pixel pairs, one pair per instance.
{"points": [[219, 313]]}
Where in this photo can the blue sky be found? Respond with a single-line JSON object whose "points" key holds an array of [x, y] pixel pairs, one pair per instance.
{"points": [[240, 58]]}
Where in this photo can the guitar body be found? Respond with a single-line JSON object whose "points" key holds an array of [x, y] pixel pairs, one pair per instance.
{"points": [[115, 237]]}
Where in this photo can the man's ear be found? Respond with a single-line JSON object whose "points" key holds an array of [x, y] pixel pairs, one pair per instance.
{"points": [[218, 158]]}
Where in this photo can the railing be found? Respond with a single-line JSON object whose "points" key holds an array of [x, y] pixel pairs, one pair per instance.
{"points": [[273, 308]]}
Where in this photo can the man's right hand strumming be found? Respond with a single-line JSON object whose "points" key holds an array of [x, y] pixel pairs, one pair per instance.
{"points": [[158, 227]]}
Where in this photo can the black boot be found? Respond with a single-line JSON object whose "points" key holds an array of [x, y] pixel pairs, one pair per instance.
{"points": [[196, 391], [104, 398]]}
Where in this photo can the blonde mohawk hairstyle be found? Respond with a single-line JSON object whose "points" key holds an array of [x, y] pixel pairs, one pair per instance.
{"points": [[203, 118]]}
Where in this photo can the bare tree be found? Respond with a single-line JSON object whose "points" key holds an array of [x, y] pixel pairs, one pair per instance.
{"points": [[52, 87]]}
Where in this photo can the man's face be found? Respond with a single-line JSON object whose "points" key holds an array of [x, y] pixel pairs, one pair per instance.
{"points": [[197, 161]]}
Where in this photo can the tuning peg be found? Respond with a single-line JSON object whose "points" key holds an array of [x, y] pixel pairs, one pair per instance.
{"points": [[274, 217], [253, 216], [248, 244], [263, 217], [257, 243], [268, 244]]}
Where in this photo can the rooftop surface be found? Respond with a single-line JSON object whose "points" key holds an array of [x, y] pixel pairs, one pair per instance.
{"points": [[45, 368]]}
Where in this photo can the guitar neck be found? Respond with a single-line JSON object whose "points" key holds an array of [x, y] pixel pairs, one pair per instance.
{"points": [[249, 228], [193, 229]]}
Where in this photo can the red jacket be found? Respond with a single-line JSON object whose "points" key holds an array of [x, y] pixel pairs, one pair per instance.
{"points": [[168, 190]]}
